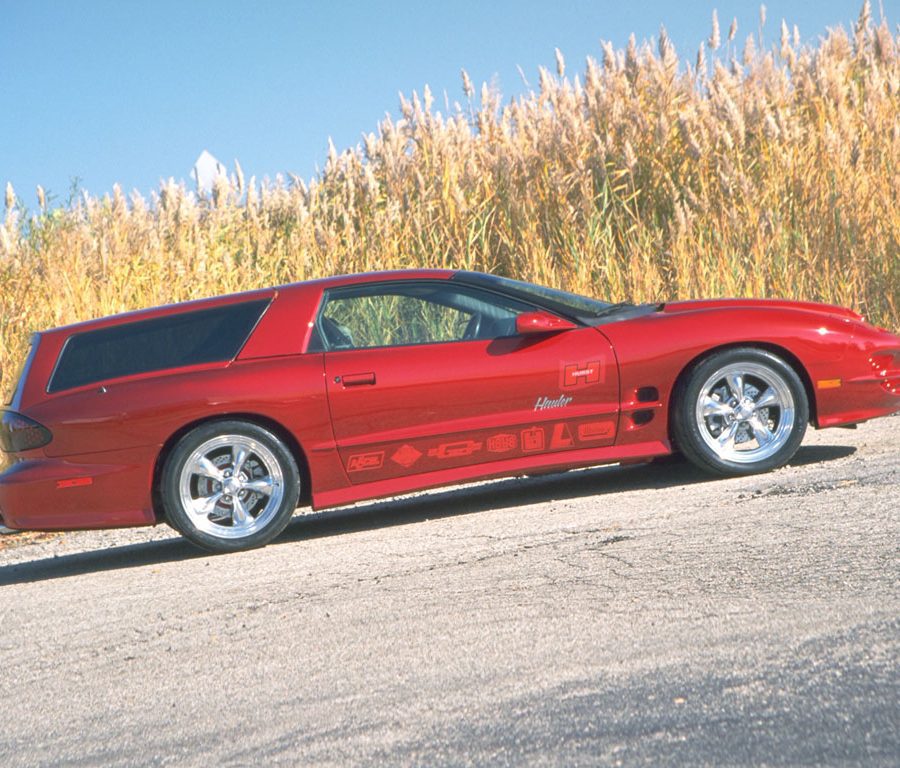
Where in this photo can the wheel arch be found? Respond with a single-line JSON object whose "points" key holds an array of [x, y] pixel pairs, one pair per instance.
{"points": [[776, 349], [275, 427]]}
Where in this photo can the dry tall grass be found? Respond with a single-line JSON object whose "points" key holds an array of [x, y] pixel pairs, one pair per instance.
{"points": [[755, 172]]}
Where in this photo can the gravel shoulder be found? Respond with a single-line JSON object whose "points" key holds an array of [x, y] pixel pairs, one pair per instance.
{"points": [[635, 616]]}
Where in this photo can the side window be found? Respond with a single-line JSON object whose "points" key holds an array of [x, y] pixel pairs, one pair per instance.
{"points": [[142, 346], [401, 314]]}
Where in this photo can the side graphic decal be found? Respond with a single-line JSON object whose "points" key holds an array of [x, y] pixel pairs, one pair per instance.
{"points": [[502, 443], [596, 430], [455, 450], [562, 437], [554, 436], [362, 461], [406, 456], [574, 375], [533, 439]]}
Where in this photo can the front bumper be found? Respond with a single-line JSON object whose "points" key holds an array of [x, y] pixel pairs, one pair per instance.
{"points": [[871, 389]]}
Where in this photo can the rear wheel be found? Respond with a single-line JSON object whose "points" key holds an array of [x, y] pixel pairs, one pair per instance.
{"points": [[230, 485], [740, 411]]}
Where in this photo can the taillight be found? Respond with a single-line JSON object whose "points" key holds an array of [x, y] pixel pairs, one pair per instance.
{"points": [[19, 433]]}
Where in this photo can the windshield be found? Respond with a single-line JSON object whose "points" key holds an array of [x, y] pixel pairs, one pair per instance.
{"points": [[560, 301]]}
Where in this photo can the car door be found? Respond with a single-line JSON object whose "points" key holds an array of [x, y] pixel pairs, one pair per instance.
{"points": [[427, 375]]}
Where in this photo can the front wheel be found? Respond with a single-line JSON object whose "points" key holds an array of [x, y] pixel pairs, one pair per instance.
{"points": [[740, 411], [229, 486]]}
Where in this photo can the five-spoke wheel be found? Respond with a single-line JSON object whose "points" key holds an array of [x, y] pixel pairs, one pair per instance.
{"points": [[740, 411], [230, 485]]}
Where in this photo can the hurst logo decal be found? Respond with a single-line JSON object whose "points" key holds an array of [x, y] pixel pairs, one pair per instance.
{"points": [[572, 375]]}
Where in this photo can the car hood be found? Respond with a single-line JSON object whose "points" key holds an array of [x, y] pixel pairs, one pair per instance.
{"points": [[830, 310]]}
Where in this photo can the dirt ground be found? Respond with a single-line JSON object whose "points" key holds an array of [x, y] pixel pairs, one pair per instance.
{"points": [[639, 616]]}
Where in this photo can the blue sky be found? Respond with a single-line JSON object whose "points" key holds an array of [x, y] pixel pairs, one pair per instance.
{"points": [[131, 92]]}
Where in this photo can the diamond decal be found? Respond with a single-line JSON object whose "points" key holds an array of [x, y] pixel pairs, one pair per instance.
{"points": [[406, 456]]}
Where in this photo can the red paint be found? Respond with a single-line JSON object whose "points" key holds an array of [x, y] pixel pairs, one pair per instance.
{"points": [[424, 415]]}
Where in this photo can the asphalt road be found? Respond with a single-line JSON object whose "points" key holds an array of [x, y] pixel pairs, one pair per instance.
{"points": [[640, 616]]}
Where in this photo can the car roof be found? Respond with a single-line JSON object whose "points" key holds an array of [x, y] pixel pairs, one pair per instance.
{"points": [[317, 284], [337, 281]]}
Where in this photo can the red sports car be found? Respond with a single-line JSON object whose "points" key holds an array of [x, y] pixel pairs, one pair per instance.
{"points": [[221, 416]]}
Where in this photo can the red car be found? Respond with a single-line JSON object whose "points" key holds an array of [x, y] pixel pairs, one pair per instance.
{"points": [[221, 416]]}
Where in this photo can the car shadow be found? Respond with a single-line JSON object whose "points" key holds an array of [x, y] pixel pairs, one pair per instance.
{"points": [[669, 472]]}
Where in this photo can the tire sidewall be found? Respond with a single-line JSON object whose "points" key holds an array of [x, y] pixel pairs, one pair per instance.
{"points": [[687, 431], [180, 520]]}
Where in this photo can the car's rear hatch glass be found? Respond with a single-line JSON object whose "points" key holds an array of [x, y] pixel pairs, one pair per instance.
{"points": [[142, 346], [22, 372]]}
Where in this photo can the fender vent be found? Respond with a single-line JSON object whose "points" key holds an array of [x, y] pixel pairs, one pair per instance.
{"points": [[648, 395], [642, 417]]}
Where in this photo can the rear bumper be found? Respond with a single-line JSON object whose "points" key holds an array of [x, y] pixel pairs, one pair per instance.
{"points": [[99, 490]]}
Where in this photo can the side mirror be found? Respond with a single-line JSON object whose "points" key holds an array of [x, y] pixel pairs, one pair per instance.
{"points": [[541, 322]]}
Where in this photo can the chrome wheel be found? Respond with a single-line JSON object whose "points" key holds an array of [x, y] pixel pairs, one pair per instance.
{"points": [[231, 486], [745, 412]]}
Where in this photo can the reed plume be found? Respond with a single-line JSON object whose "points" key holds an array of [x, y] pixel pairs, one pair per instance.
{"points": [[642, 178]]}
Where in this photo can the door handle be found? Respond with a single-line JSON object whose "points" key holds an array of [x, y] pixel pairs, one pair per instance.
{"points": [[356, 379]]}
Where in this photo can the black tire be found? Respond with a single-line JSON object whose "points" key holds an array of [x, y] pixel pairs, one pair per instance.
{"points": [[674, 459], [218, 510], [710, 424]]}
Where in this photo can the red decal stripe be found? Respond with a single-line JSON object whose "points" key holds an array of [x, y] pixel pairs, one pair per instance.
{"points": [[74, 482]]}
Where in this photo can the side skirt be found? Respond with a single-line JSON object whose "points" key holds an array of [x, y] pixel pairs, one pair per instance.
{"points": [[509, 467]]}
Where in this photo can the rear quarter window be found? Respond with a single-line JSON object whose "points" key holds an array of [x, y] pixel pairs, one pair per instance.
{"points": [[173, 341]]}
